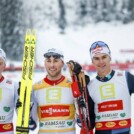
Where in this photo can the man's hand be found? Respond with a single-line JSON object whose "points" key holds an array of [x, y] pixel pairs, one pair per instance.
{"points": [[18, 104], [76, 67], [81, 102], [32, 124]]}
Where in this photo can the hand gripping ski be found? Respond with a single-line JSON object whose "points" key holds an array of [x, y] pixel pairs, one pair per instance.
{"points": [[79, 90]]}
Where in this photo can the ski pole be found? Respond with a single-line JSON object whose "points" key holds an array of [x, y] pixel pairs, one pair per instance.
{"points": [[78, 93]]}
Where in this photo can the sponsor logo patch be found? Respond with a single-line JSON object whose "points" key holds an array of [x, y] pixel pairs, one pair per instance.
{"points": [[54, 111], [107, 91], [123, 123], [110, 106], [110, 124], [7, 126], [6, 109], [53, 95], [99, 125]]}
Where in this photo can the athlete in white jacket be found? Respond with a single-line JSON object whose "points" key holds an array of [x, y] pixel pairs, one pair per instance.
{"points": [[8, 98], [109, 94]]}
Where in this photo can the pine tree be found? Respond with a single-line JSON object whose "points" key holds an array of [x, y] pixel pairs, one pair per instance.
{"points": [[11, 25]]}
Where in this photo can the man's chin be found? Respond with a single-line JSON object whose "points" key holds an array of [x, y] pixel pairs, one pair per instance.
{"points": [[52, 75]]}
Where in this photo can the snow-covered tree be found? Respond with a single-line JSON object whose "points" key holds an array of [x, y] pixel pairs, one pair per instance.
{"points": [[11, 26], [62, 16]]}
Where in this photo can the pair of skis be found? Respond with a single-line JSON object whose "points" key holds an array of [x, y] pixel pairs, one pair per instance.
{"points": [[80, 93], [22, 126]]}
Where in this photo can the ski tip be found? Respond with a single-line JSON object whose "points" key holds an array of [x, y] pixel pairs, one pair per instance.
{"points": [[31, 32], [28, 31]]}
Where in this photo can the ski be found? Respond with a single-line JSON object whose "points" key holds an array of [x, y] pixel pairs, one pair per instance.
{"points": [[23, 114], [80, 93]]}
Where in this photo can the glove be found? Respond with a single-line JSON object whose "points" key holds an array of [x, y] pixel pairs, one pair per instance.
{"points": [[32, 124], [18, 104], [76, 67], [81, 102], [78, 122]]}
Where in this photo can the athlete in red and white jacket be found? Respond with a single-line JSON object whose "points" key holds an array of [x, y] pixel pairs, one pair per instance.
{"points": [[8, 98]]}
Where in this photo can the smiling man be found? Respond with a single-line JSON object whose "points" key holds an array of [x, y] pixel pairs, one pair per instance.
{"points": [[110, 91], [53, 99]]}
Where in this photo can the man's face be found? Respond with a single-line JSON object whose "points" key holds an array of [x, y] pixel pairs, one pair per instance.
{"points": [[53, 66], [102, 63]]}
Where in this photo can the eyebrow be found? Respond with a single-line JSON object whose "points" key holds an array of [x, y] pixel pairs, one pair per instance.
{"points": [[105, 55], [48, 58]]}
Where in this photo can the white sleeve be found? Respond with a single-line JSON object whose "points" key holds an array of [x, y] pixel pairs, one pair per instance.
{"points": [[16, 95], [34, 107]]}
